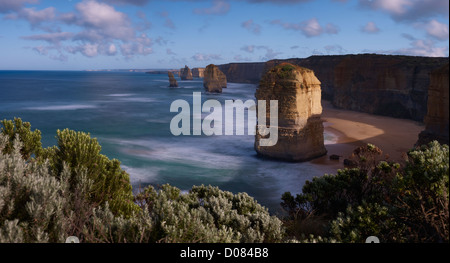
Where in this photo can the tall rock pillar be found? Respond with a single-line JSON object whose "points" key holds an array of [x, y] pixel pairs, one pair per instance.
{"points": [[300, 128], [214, 80], [437, 118], [186, 73]]}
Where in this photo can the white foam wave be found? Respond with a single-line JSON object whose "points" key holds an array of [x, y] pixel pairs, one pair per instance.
{"points": [[182, 152], [142, 175], [330, 138], [63, 107], [120, 95], [134, 99]]}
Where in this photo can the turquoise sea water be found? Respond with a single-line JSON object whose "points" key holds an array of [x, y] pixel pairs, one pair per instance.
{"points": [[129, 114]]}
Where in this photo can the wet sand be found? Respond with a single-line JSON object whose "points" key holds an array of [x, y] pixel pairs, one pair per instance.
{"points": [[352, 129]]}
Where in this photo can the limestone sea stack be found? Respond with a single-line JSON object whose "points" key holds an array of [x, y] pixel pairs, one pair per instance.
{"points": [[214, 80], [186, 73], [437, 118], [172, 80], [300, 128]]}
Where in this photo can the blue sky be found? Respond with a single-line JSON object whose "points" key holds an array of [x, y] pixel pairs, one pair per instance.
{"points": [[108, 34]]}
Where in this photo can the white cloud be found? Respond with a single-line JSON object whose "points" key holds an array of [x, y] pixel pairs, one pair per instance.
{"points": [[14, 5], [102, 30], [420, 47], [168, 22], [309, 28], [370, 28], [141, 45], [270, 53], [436, 30], [103, 21], [112, 50], [52, 38], [409, 10], [251, 26], [335, 49], [331, 29], [219, 7], [145, 24], [41, 50], [206, 57], [239, 58], [128, 2], [249, 48], [90, 50], [33, 16], [278, 1], [170, 52]]}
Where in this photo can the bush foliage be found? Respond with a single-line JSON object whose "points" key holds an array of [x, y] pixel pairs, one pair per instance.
{"points": [[396, 202], [71, 189]]}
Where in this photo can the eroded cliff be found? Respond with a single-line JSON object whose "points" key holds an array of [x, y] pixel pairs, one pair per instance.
{"points": [[243, 72], [395, 86]]}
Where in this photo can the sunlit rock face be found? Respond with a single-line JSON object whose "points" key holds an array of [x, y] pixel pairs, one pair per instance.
{"points": [[214, 80], [300, 128], [437, 118]]}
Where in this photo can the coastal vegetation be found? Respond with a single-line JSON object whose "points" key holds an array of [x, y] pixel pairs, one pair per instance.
{"points": [[71, 189], [397, 202]]}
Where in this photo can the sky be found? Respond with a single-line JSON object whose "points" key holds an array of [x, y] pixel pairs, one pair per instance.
{"points": [[166, 34]]}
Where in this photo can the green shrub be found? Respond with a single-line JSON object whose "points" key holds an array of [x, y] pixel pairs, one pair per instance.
{"points": [[398, 203], [208, 214], [31, 202], [31, 140], [37, 206], [423, 193], [72, 190], [368, 219], [110, 183]]}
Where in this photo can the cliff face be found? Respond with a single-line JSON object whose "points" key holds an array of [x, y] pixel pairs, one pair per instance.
{"points": [[186, 73], [437, 119], [243, 72], [198, 72], [386, 85], [395, 86], [214, 80], [300, 129], [173, 82]]}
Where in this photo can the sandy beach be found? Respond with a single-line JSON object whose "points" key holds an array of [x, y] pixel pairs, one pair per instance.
{"points": [[352, 129]]}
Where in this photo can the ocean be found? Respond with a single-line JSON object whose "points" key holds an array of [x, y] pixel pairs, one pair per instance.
{"points": [[129, 114]]}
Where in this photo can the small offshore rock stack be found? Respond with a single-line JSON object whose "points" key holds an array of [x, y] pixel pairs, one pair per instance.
{"points": [[437, 118], [172, 80], [300, 128], [186, 73], [214, 80]]}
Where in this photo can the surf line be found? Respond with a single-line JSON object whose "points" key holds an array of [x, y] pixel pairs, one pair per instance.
{"points": [[181, 123]]}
